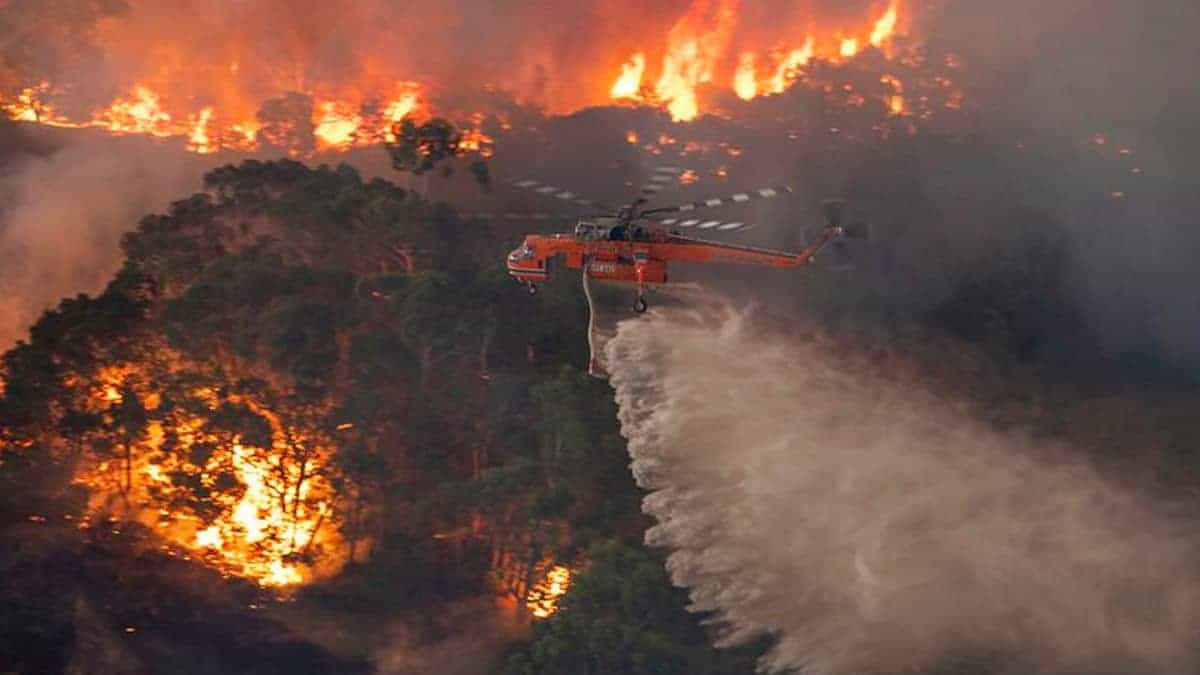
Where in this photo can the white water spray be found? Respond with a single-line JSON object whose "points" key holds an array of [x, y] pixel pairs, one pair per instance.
{"points": [[808, 490]]}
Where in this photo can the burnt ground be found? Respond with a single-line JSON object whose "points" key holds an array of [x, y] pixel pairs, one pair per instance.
{"points": [[110, 599]]}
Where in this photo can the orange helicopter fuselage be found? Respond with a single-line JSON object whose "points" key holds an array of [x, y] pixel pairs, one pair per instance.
{"points": [[641, 255]]}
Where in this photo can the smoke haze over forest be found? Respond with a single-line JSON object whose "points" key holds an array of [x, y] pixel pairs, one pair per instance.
{"points": [[967, 441], [1049, 77]]}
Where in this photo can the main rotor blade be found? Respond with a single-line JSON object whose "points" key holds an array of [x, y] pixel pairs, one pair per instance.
{"points": [[559, 193], [736, 198], [660, 179], [700, 224], [512, 215]]}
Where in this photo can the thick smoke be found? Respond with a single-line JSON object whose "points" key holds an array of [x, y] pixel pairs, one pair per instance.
{"points": [[820, 493], [63, 215], [1074, 64], [465, 638]]}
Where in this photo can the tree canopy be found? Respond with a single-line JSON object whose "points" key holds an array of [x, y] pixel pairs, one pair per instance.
{"points": [[358, 357]]}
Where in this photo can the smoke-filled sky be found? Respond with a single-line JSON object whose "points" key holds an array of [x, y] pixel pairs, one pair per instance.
{"points": [[1076, 62], [1065, 71], [866, 521], [64, 212]]}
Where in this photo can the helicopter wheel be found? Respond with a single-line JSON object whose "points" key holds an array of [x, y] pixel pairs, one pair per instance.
{"points": [[533, 289], [639, 305]]}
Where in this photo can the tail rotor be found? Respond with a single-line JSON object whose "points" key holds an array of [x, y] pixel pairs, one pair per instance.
{"points": [[850, 228]]}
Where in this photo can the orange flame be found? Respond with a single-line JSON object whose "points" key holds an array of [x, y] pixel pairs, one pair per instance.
{"points": [[338, 124], [694, 46], [788, 65], [630, 82], [335, 126], [474, 140], [896, 103], [220, 107], [401, 107], [745, 80], [273, 520], [542, 599], [140, 114], [885, 27], [198, 140]]}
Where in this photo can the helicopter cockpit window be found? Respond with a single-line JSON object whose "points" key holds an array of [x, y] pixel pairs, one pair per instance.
{"points": [[590, 231]]}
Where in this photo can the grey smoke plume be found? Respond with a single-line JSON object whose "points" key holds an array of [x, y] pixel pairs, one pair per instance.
{"points": [[63, 215], [820, 494], [468, 637]]}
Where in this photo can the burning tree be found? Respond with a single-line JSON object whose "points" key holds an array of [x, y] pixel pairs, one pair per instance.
{"points": [[299, 369], [423, 148]]}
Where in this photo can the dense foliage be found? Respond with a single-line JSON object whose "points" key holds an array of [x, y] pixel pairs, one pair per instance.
{"points": [[467, 448], [622, 617]]}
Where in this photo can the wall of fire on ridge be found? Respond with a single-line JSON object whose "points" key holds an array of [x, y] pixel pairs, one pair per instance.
{"points": [[315, 90]]}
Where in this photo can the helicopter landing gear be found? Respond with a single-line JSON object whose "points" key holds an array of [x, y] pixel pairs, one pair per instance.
{"points": [[639, 266], [532, 288]]}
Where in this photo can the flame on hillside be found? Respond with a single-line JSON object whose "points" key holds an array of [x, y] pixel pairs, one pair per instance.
{"points": [[698, 48], [245, 91], [542, 598], [628, 85], [335, 125], [262, 509]]}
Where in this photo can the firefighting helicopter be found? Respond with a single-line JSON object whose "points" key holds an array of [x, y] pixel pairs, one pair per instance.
{"points": [[635, 243]]}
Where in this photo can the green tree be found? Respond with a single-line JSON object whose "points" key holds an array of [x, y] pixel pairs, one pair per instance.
{"points": [[622, 616], [422, 148]]}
